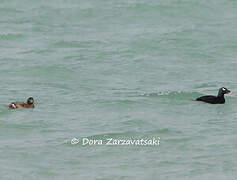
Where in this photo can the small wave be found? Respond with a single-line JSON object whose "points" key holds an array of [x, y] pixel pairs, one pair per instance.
{"points": [[117, 102], [4, 110], [155, 94], [10, 36], [42, 51], [72, 44], [164, 131], [23, 126], [177, 140], [171, 94], [206, 85], [10, 10], [113, 135]]}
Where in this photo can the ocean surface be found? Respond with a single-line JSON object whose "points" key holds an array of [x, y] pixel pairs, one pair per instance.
{"points": [[121, 70]]}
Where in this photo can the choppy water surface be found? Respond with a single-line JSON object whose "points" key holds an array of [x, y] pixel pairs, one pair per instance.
{"points": [[123, 70]]}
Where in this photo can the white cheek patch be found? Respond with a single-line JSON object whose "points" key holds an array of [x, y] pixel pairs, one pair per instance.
{"points": [[223, 89]]}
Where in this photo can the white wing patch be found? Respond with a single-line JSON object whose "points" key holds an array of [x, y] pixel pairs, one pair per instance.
{"points": [[14, 106]]}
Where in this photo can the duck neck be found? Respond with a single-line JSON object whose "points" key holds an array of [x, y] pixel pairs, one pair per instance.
{"points": [[221, 95]]}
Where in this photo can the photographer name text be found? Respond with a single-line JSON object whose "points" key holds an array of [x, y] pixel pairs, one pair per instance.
{"points": [[116, 142]]}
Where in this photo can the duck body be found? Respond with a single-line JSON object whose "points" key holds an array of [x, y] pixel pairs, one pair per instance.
{"points": [[15, 105], [212, 99]]}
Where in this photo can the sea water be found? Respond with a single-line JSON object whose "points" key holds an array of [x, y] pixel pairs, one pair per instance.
{"points": [[124, 70]]}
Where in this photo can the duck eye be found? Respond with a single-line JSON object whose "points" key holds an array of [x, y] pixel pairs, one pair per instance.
{"points": [[223, 89]]}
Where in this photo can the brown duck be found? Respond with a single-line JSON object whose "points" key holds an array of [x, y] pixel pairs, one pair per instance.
{"points": [[28, 104]]}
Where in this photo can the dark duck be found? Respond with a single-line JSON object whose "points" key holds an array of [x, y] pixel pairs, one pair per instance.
{"points": [[219, 99], [28, 104]]}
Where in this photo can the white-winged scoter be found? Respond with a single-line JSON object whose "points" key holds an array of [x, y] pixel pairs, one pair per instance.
{"points": [[219, 99]]}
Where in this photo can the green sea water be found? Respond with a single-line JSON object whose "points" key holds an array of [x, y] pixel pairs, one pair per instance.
{"points": [[121, 69]]}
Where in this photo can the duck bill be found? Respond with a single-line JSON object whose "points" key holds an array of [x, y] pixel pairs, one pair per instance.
{"points": [[230, 93]]}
